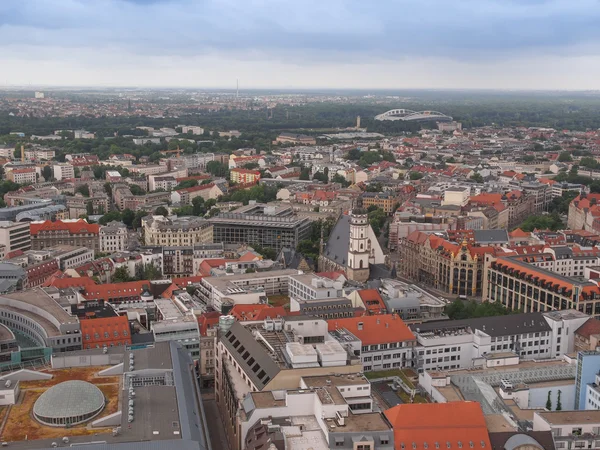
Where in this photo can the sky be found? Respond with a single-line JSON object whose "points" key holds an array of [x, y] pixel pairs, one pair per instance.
{"points": [[286, 44]]}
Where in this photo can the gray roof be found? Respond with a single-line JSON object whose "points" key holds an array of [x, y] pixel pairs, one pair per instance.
{"points": [[509, 440], [69, 399], [336, 248], [494, 326], [173, 444], [491, 236], [238, 333]]}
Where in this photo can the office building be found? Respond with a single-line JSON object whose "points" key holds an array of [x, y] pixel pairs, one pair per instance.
{"points": [[113, 237], [261, 225], [15, 236], [63, 171], [177, 231]]}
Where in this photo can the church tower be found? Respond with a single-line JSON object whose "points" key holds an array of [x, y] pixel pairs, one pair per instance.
{"points": [[360, 246]]}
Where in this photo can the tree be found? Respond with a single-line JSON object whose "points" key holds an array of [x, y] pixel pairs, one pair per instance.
{"points": [[47, 172], [460, 309], [542, 222], [121, 275], [151, 272], [137, 221], [109, 217], [217, 169], [565, 157], [415, 175], [558, 402], [161, 211], [89, 208], [128, 216], [198, 207], [337, 178], [251, 165], [108, 188], [186, 184], [266, 252], [320, 176], [305, 174], [83, 190], [476, 177], [136, 190], [549, 401], [560, 205]]}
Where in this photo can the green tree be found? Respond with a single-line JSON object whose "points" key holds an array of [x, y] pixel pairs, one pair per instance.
{"points": [[217, 169], [251, 165], [266, 252], [305, 174], [109, 217], [151, 272], [477, 178], [128, 216], [415, 175], [121, 275], [83, 190], [565, 157], [558, 402], [460, 309], [549, 401], [542, 222], [47, 172], [89, 208], [136, 190], [198, 207], [108, 188], [137, 221], [337, 178], [161, 211], [186, 184]]}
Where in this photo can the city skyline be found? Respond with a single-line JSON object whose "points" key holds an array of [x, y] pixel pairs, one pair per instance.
{"points": [[531, 44]]}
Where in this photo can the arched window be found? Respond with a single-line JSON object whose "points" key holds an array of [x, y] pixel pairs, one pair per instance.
{"points": [[360, 265], [361, 246]]}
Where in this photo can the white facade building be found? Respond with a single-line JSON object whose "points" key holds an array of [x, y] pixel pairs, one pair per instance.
{"points": [[63, 171], [113, 237]]}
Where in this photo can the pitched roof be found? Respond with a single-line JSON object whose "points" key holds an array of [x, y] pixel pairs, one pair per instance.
{"points": [[372, 300], [208, 320], [518, 233], [78, 227], [590, 328], [371, 330], [336, 248], [450, 425], [257, 312]]}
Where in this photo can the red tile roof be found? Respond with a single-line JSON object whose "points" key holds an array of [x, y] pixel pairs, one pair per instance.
{"points": [[115, 290], [590, 328], [208, 320], [371, 330], [372, 301], [99, 332], [60, 281], [450, 425], [257, 312], [78, 227], [186, 281]]}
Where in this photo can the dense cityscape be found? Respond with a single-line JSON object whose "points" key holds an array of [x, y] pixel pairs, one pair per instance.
{"points": [[298, 271]]}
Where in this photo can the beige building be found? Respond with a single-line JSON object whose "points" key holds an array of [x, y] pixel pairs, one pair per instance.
{"points": [[15, 236], [176, 232], [456, 269], [113, 237], [22, 176], [63, 171]]}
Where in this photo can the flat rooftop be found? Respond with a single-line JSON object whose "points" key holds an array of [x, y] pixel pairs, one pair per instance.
{"points": [[265, 399], [335, 380], [368, 422], [37, 297], [570, 417]]}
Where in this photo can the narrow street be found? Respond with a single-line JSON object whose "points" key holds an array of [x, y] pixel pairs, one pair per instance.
{"points": [[215, 426]]}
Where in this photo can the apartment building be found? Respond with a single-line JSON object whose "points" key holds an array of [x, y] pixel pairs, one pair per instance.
{"points": [[385, 340], [178, 261], [39, 153], [177, 231], [63, 171], [519, 285], [244, 176], [68, 232], [272, 355], [15, 236], [456, 269], [78, 204], [227, 291], [383, 200], [113, 237], [22, 176]]}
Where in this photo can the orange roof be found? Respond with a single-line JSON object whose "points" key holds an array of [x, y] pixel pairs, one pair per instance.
{"points": [[208, 320], [256, 312], [332, 275], [112, 290], [105, 330], [57, 281], [26, 170], [450, 425], [518, 233], [253, 172], [371, 330], [78, 227], [486, 199], [372, 300], [186, 281]]}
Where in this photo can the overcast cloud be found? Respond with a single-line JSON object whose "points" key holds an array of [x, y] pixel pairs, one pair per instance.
{"points": [[539, 44]]}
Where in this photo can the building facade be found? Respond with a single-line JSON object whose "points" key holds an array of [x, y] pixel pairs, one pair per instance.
{"points": [[179, 231], [70, 232]]}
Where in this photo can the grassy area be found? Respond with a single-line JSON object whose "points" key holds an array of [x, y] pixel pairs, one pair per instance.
{"points": [[406, 398], [390, 373], [279, 300], [21, 425]]}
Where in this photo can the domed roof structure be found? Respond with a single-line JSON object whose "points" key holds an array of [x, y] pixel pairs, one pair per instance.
{"points": [[69, 403]]}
